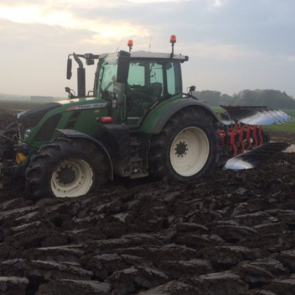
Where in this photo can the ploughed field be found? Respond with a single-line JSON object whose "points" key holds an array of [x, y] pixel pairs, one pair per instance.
{"points": [[229, 233]]}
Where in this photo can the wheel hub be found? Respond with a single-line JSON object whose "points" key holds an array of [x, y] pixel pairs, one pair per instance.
{"points": [[66, 175], [181, 149], [189, 151]]}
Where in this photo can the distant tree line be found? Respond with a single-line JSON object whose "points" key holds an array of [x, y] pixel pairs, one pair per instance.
{"points": [[271, 98]]}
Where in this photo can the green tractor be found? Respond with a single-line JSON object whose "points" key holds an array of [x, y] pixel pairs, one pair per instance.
{"points": [[135, 122]]}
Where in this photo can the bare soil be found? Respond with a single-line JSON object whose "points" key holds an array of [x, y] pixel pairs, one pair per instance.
{"points": [[230, 233]]}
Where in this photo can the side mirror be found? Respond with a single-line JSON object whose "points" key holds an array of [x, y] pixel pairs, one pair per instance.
{"points": [[123, 66], [69, 69], [192, 88]]}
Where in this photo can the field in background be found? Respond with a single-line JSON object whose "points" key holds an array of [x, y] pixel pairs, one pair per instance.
{"points": [[15, 106], [286, 127], [19, 104]]}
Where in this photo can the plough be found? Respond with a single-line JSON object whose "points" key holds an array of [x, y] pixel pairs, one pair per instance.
{"points": [[243, 138]]}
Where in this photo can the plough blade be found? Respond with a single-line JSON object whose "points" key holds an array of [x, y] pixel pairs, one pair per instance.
{"points": [[256, 156], [254, 115]]}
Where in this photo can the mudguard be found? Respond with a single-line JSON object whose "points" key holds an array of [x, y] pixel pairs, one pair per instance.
{"points": [[161, 113], [76, 134]]}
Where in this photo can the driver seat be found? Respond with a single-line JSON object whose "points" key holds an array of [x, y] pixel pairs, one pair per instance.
{"points": [[156, 91]]}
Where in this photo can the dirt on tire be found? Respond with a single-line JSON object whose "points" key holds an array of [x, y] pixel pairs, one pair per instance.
{"points": [[229, 233]]}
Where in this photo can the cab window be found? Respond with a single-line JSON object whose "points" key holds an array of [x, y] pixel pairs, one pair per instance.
{"points": [[148, 82], [107, 78]]}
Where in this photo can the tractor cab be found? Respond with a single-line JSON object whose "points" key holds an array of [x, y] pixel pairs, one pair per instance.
{"points": [[132, 83], [152, 78]]}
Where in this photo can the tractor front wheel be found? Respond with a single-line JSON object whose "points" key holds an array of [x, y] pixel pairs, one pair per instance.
{"points": [[65, 168], [72, 177], [186, 148]]}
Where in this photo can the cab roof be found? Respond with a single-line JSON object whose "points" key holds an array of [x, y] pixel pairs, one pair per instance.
{"points": [[158, 55]]}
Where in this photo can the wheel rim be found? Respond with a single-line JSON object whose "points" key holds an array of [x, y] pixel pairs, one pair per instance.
{"points": [[189, 151], [71, 178]]}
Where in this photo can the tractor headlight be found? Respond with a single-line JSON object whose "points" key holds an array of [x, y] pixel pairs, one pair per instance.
{"points": [[27, 134]]}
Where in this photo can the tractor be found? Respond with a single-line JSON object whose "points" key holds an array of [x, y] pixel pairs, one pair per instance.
{"points": [[135, 122]]}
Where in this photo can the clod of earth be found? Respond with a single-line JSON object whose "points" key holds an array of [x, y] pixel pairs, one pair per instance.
{"points": [[230, 233]]}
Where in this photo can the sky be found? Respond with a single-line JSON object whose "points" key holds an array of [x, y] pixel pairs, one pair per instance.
{"points": [[232, 44]]}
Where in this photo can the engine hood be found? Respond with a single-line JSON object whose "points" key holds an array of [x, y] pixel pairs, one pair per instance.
{"points": [[33, 116]]}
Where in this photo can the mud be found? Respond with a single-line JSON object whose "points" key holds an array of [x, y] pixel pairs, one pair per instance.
{"points": [[229, 233]]}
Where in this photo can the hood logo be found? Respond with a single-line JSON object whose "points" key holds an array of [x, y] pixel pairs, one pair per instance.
{"points": [[87, 106]]}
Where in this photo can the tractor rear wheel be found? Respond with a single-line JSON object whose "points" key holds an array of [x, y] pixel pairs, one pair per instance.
{"points": [[65, 168], [186, 148]]}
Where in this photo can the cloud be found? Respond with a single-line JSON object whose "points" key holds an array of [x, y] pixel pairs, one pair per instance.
{"points": [[101, 27], [219, 51], [34, 14], [217, 3], [219, 36], [154, 1]]}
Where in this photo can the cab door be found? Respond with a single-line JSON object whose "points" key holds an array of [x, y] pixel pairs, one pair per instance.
{"points": [[109, 90], [144, 87]]}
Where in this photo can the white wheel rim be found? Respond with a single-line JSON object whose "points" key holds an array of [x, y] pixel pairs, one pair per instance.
{"points": [[189, 151], [80, 182]]}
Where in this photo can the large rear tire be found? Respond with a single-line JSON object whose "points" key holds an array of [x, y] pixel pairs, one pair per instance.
{"points": [[186, 148], [65, 168]]}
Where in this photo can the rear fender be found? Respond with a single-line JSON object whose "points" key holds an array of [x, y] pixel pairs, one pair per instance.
{"points": [[79, 135], [157, 118]]}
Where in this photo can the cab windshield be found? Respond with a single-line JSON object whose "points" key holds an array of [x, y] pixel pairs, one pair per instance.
{"points": [[107, 78]]}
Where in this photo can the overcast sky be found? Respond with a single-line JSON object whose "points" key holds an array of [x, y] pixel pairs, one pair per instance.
{"points": [[232, 44]]}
